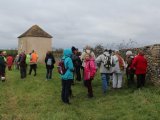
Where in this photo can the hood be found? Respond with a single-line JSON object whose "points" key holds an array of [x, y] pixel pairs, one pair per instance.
{"points": [[67, 52]]}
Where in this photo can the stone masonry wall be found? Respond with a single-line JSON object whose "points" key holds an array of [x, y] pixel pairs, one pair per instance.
{"points": [[152, 53]]}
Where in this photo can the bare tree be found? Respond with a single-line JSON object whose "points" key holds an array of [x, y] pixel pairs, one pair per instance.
{"points": [[58, 53], [98, 49], [127, 44]]}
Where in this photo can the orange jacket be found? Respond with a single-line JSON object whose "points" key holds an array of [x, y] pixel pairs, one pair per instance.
{"points": [[34, 58]]}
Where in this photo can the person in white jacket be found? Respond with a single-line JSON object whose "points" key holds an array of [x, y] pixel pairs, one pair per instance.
{"points": [[104, 61], [118, 70]]}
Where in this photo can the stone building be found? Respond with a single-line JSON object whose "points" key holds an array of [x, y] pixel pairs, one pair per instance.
{"points": [[36, 39]]}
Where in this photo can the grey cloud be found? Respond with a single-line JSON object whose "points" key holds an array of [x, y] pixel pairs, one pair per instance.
{"points": [[81, 22]]}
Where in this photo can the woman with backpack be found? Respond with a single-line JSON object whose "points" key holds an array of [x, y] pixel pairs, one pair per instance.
{"points": [[49, 61], [67, 77]]}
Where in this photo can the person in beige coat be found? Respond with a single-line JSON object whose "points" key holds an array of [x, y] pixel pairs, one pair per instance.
{"points": [[118, 70]]}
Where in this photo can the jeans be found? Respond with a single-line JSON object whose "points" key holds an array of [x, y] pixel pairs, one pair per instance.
{"points": [[49, 73], [66, 87], [78, 73], [105, 80], [23, 71]]}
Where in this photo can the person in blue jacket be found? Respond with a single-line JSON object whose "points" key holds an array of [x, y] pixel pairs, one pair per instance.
{"points": [[67, 77]]}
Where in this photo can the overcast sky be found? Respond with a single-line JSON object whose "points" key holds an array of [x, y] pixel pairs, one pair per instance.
{"points": [[82, 22]]}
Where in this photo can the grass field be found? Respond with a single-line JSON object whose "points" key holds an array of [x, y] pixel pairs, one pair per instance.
{"points": [[37, 99]]}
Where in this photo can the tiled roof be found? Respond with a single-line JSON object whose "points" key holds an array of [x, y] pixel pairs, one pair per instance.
{"points": [[35, 31]]}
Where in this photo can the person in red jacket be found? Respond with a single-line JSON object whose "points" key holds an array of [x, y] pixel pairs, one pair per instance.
{"points": [[9, 62], [140, 65]]}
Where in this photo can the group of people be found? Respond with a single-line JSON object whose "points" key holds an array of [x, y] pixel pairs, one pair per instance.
{"points": [[21, 62], [26, 60], [73, 63], [5, 61], [112, 67]]}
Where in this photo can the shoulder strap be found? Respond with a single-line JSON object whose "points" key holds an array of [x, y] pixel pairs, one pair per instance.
{"points": [[104, 54], [64, 63]]}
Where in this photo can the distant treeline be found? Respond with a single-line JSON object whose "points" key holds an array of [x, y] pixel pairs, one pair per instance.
{"points": [[58, 53], [10, 52]]}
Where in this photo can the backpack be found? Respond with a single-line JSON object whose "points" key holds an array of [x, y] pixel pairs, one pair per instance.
{"points": [[61, 67], [49, 61], [107, 61]]}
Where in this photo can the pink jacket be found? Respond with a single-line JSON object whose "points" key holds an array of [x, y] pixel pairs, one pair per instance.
{"points": [[89, 69]]}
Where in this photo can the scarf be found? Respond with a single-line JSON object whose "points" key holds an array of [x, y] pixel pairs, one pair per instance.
{"points": [[121, 64]]}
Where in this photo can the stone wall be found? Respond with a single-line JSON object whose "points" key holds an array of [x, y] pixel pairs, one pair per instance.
{"points": [[152, 53]]}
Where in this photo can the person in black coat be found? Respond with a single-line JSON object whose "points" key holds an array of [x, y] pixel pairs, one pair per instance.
{"points": [[2, 65], [22, 64], [77, 63], [49, 61]]}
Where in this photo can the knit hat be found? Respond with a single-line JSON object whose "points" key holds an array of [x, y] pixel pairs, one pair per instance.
{"points": [[73, 48]]}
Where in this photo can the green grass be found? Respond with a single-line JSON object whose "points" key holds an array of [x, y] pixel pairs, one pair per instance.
{"points": [[37, 99]]}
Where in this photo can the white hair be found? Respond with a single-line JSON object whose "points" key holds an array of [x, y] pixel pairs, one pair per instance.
{"points": [[129, 53]]}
